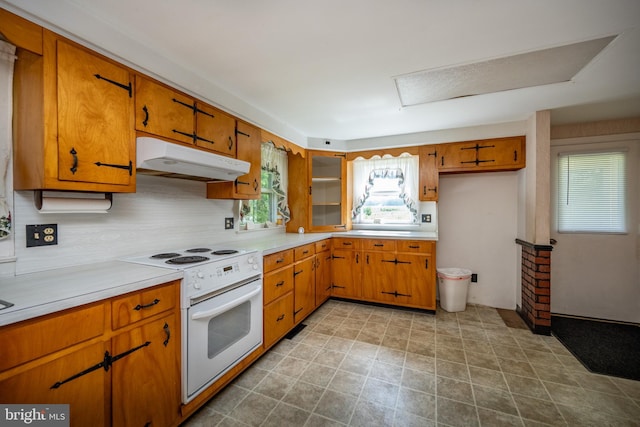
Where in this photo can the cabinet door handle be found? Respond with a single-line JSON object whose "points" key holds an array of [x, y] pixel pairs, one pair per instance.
{"points": [[145, 122], [426, 264], [151, 304], [295, 273], [279, 260], [414, 247], [378, 245], [357, 258], [255, 185], [74, 166], [167, 331], [128, 87], [515, 155], [281, 317], [230, 144], [242, 133], [280, 283]]}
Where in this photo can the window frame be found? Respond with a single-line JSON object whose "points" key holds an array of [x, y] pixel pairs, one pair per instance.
{"points": [[577, 150]]}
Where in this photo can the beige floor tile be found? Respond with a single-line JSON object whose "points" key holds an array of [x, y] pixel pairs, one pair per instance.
{"points": [[359, 365]]}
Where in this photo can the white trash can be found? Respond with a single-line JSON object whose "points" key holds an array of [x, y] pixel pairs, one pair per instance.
{"points": [[453, 284]]}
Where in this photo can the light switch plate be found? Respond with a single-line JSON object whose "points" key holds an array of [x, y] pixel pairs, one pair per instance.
{"points": [[228, 223], [426, 217]]}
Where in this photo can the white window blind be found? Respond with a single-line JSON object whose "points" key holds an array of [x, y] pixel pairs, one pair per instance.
{"points": [[591, 192]]}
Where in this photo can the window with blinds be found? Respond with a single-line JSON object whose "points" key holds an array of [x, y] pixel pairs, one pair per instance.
{"points": [[591, 192]]}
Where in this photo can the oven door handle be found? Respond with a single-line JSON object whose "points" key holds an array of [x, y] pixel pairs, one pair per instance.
{"points": [[225, 307]]}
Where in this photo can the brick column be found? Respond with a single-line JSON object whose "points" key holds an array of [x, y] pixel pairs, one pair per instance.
{"points": [[536, 287]]}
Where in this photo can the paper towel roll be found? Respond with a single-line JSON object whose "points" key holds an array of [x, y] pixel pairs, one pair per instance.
{"points": [[73, 205]]}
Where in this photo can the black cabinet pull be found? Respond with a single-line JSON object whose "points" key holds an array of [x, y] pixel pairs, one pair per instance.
{"points": [[395, 261], [199, 138], [106, 363], [255, 185], [426, 264], [197, 110], [337, 257], [74, 166], [151, 304], [357, 258], [347, 243], [295, 273], [396, 294], [378, 245], [242, 133], [279, 260], [146, 116], [128, 87], [167, 331], [281, 317], [414, 247], [298, 311], [280, 283], [192, 107], [230, 144], [128, 167], [190, 135], [515, 155]]}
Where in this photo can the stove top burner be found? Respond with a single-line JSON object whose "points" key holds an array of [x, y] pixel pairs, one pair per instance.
{"points": [[198, 250], [187, 259], [165, 255], [224, 252]]}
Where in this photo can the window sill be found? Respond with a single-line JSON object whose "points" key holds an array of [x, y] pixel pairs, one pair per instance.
{"points": [[250, 228], [388, 227]]}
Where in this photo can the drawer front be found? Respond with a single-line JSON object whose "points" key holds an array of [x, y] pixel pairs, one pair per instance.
{"points": [[416, 246], [141, 305], [302, 252], [385, 245], [278, 319], [29, 340], [277, 284], [346, 243], [323, 245], [277, 260]]}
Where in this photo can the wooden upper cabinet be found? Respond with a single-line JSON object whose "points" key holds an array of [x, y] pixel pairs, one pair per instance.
{"points": [[215, 130], [498, 154], [164, 112], [245, 186], [318, 191], [73, 120], [167, 113], [429, 179]]}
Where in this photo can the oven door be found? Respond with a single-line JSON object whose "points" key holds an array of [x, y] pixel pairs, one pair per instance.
{"points": [[220, 332]]}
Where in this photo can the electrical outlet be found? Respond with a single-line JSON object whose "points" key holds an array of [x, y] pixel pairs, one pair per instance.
{"points": [[42, 235], [228, 223], [426, 217], [474, 277]]}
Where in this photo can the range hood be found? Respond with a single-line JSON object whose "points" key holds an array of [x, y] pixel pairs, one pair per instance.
{"points": [[158, 157]]}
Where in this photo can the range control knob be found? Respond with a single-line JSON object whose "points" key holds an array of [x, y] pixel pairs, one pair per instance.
{"points": [[255, 266], [200, 275], [251, 260]]}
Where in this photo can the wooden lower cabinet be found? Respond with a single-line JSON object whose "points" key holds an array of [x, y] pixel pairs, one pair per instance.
{"points": [[304, 285], [346, 273], [129, 376], [323, 271], [278, 319], [87, 395], [146, 383]]}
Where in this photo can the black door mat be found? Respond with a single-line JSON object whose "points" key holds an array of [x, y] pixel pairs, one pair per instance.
{"points": [[295, 331], [603, 347]]}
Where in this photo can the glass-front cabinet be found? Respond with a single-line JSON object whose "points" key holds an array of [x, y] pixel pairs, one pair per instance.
{"points": [[318, 191], [327, 191]]}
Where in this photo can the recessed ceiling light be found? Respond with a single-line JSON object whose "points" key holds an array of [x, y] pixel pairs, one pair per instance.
{"points": [[540, 67]]}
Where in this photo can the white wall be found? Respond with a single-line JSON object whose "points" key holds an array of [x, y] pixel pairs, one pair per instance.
{"points": [[477, 228]]}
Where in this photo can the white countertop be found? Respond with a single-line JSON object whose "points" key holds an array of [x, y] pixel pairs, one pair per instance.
{"points": [[46, 292]]}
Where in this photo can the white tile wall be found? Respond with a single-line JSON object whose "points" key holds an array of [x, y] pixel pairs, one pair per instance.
{"points": [[164, 213]]}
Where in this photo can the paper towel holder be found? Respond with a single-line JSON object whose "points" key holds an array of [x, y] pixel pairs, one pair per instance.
{"points": [[101, 205]]}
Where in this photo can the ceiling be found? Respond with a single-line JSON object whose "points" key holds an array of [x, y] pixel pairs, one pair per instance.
{"points": [[326, 69]]}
